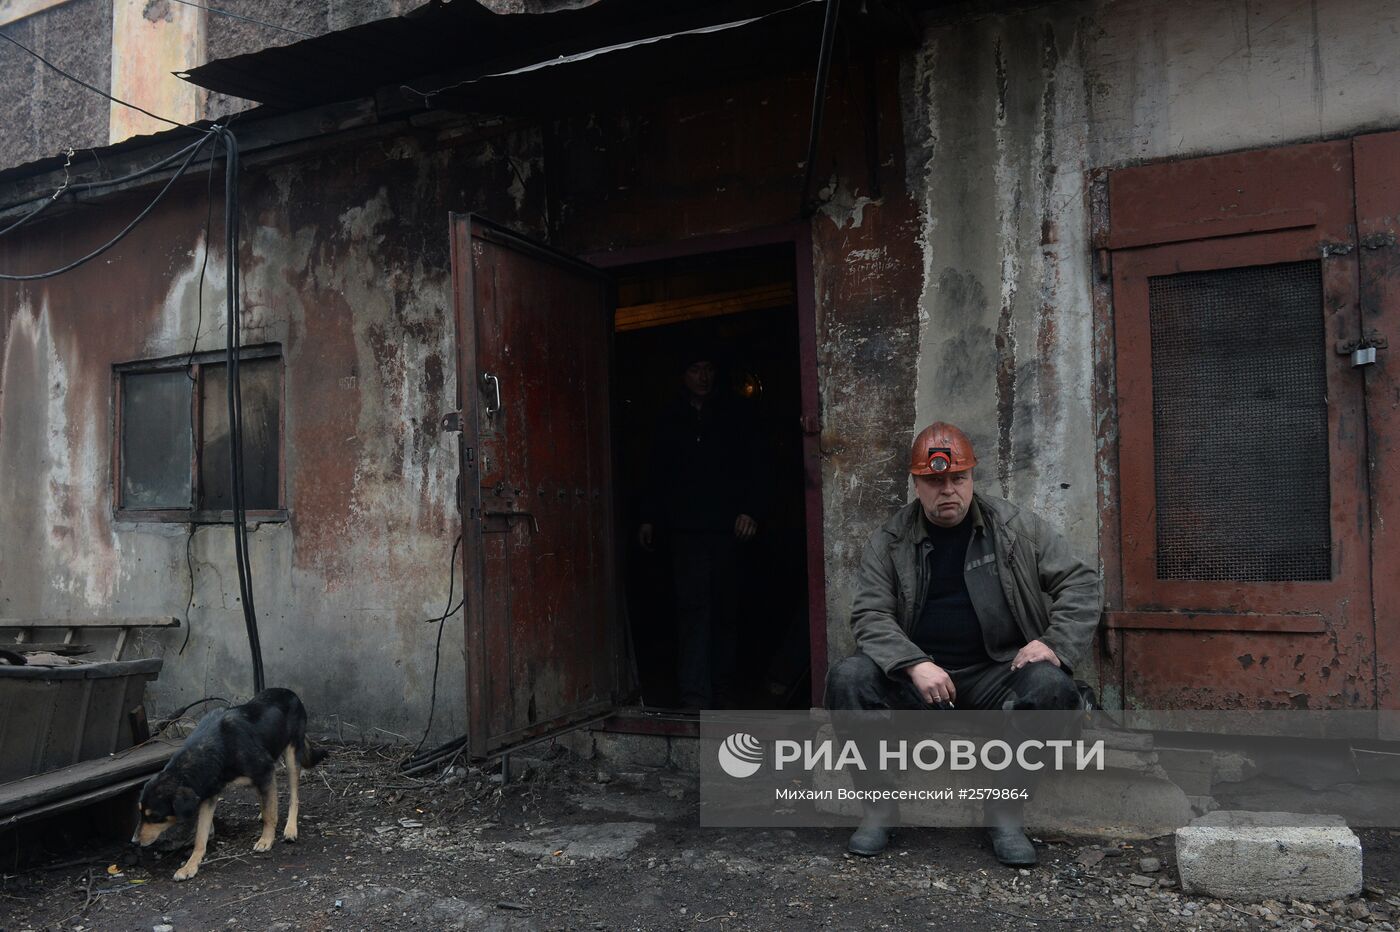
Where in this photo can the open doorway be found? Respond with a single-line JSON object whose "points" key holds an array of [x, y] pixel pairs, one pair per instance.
{"points": [[741, 308]]}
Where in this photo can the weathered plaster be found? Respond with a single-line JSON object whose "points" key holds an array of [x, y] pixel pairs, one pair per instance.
{"points": [[151, 40], [357, 294], [1015, 109]]}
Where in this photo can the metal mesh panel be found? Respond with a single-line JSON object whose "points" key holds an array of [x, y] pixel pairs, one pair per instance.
{"points": [[1239, 423]]}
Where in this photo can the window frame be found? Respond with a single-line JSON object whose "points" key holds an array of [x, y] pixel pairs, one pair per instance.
{"points": [[195, 364]]}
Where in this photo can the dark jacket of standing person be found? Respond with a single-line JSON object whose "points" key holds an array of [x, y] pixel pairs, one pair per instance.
{"points": [[705, 468]]}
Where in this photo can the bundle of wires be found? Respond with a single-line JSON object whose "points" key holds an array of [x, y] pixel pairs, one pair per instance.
{"points": [[218, 135], [235, 401]]}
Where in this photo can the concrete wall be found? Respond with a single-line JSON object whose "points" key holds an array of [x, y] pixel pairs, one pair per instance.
{"points": [[1013, 110], [49, 113], [44, 112], [346, 265], [962, 291], [353, 284]]}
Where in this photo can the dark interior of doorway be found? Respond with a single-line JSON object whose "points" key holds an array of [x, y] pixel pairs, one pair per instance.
{"points": [[742, 305]]}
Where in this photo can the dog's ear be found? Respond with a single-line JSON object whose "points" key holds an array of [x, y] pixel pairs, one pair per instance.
{"points": [[185, 802]]}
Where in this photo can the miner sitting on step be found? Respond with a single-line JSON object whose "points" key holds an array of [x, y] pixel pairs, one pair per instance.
{"points": [[964, 600]]}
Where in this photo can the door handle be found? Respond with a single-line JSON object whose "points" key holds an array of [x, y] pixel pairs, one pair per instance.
{"points": [[489, 381]]}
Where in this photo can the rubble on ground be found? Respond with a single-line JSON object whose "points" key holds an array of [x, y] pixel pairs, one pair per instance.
{"points": [[558, 848]]}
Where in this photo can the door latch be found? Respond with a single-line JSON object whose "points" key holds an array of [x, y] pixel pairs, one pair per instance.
{"points": [[1362, 351], [451, 422], [502, 513]]}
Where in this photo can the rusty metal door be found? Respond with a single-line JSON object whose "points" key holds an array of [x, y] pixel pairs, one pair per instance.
{"points": [[1245, 511], [534, 338]]}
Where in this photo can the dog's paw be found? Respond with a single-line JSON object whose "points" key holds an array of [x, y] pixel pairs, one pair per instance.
{"points": [[263, 844], [289, 834], [185, 873]]}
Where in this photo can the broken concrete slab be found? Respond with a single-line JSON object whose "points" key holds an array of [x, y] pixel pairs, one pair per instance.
{"points": [[1254, 856], [602, 840]]}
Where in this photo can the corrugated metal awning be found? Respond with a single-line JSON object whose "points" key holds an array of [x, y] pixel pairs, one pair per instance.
{"points": [[456, 50]]}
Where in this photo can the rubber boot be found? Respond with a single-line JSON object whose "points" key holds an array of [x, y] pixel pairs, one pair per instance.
{"points": [[1008, 837], [873, 835]]}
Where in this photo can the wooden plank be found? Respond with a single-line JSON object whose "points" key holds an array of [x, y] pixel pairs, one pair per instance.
{"points": [[72, 802], [1233, 226], [79, 670], [52, 647], [1223, 621], [89, 622], [656, 313], [133, 764]]}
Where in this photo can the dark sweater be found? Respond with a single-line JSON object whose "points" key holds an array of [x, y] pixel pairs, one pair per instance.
{"points": [[704, 468], [947, 628]]}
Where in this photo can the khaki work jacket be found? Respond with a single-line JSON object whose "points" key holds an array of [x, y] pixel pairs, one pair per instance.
{"points": [[1051, 594]]}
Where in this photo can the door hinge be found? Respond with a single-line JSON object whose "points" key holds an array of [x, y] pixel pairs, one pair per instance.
{"points": [[451, 422]]}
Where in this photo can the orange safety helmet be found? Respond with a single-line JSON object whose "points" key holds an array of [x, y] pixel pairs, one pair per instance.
{"points": [[940, 448]]}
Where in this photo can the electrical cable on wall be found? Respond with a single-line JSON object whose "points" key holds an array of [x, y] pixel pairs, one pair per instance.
{"points": [[232, 351], [69, 188], [441, 620], [96, 90], [232, 238], [184, 166], [246, 19], [833, 12]]}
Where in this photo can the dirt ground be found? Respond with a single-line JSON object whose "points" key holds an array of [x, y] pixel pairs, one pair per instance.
{"points": [[568, 846]]}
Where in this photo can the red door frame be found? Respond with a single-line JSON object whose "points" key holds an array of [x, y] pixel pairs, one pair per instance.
{"points": [[799, 235]]}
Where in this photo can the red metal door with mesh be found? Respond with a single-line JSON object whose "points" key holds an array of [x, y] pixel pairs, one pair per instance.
{"points": [[1245, 516], [534, 331]]}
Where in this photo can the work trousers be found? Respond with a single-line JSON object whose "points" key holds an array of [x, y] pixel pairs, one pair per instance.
{"points": [[861, 694], [706, 565], [858, 683]]}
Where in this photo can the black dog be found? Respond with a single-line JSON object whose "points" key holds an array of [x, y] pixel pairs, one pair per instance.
{"points": [[238, 745]]}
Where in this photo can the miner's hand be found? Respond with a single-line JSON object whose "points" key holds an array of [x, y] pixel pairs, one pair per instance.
{"points": [[1034, 652], [932, 682]]}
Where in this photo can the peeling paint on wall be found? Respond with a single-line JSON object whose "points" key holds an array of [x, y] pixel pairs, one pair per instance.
{"points": [[1014, 110], [79, 568]]}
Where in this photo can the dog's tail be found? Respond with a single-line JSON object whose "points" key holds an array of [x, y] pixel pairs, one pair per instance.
{"points": [[308, 754]]}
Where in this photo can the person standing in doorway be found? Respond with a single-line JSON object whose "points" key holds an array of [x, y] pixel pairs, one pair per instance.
{"points": [[704, 498]]}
